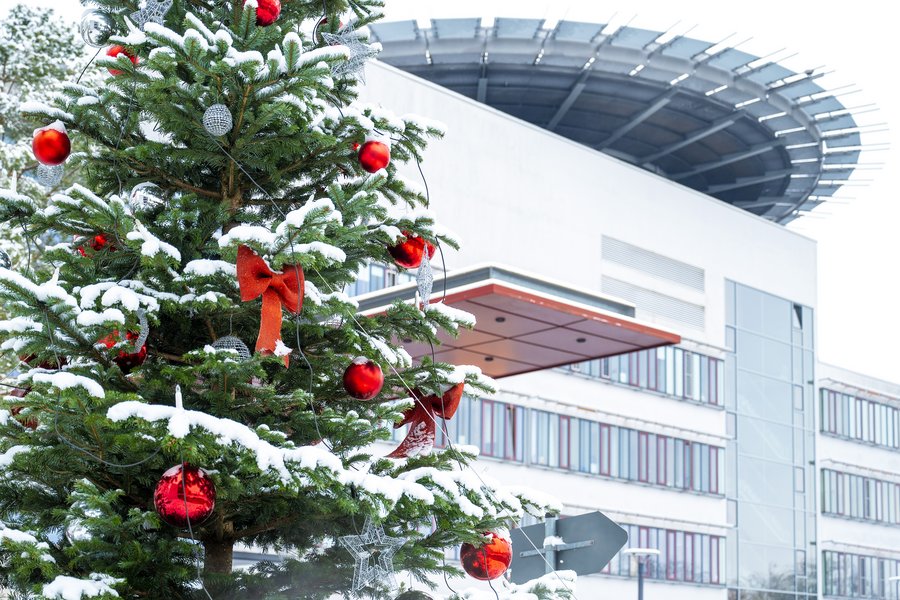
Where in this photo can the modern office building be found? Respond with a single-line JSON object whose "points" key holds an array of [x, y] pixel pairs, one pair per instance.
{"points": [[619, 197]]}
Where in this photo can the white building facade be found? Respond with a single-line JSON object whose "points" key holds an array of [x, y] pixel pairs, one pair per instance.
{"points": [[717, 451]]}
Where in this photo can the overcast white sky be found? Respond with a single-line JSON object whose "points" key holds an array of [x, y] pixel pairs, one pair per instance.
{"points": [[859, 246]]}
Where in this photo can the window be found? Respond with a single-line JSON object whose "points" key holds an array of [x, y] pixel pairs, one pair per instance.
{"points": [[856, 576], [860, 419], [858, 497], [671, 371]]}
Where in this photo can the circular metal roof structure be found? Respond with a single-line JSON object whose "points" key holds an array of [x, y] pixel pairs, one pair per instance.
{"points": [[745, 130]]}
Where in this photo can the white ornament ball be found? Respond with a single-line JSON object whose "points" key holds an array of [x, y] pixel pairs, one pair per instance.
{"points": [[96, 27], [217, 120], [230, 342], [49, 176]]}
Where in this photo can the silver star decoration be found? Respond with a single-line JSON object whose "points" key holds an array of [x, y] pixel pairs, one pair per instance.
{"points": [[374, 553], [360, 53], [425, 280], [153, 11]]}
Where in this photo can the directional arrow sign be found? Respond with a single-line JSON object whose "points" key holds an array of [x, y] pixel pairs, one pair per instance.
{"points": [[589, 542]]}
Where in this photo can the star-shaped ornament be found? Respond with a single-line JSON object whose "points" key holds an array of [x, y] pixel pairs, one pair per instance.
{"points": [[154, 11], [360, 53], [374, 553]]}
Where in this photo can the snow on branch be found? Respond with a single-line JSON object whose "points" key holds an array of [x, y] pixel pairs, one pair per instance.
{"points": [[152, 245], [180, 422], [63, 380], [43, 292], [113, 294], [70, 588], [39, 108]]}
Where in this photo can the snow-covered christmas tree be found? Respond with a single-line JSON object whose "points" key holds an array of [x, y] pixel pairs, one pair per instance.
{"points": [[234, 189]]}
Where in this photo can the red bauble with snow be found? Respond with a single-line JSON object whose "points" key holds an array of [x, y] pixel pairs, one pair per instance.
{"points": [[114, 51], [408, 253], [51, 144], [125, 359], [363, 379], [374, 156], [185, 493], [267, 11], [489, 561]]}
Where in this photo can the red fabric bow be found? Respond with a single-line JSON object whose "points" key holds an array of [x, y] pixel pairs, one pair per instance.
{"points": [[421, 419], [277, 289]]}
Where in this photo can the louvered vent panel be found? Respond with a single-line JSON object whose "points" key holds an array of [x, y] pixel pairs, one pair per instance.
{"points": [[662, 305], [652, 263]]}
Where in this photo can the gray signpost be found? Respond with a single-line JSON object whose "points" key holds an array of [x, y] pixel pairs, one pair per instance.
{"points": [[588, 543]]}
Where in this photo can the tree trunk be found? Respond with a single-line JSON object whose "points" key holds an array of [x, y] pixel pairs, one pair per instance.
{"points": [[219, 556]]}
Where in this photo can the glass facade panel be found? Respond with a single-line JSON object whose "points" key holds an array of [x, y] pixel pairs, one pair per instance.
{"points": [[771, 483]]}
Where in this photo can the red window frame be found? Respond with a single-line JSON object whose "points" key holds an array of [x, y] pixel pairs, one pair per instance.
{"points": [[671, 556], [604, 452], [714, 560], [688, 556], [565, 442], [643, 457], [661, 441]]}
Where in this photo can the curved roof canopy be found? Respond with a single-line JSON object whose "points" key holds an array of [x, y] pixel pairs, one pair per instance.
{"points": [[727, 123]]}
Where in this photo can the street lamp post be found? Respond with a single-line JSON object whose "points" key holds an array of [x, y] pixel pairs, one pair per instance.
{"points": [[641, 555]]}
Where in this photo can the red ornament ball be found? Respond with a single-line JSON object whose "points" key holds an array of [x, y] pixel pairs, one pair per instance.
{"points": [[29, 422], [115, 51], [267, 11], [408, 253], [96, 243], [489, 561], [363, 378], [374, 155], [185, 493], [51, 144], [125, 359]]}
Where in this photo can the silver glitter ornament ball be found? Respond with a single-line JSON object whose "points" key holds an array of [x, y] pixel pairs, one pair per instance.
{"points": [[229, 342], [49, 176], [96, 27], [5, 261], [217, 120]]}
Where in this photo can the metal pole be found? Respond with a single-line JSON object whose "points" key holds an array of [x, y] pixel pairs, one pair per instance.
{"points": [[550, 551], [640, 578]]}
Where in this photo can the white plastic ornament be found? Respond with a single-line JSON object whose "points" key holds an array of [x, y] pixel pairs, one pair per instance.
{"points": [[217, 120], [5, 261], [230, 342], [142, 197], [96, 27], [49, 176]]}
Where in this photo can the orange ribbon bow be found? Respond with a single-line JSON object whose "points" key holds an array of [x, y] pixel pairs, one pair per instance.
{"points": [[422, 418], [277, 289]]}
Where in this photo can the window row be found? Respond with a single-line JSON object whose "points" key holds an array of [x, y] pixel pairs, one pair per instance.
{"points": [[860, 419], [683, 556], [672, 371], [499, 430], [860, 497], [855, 576]]}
